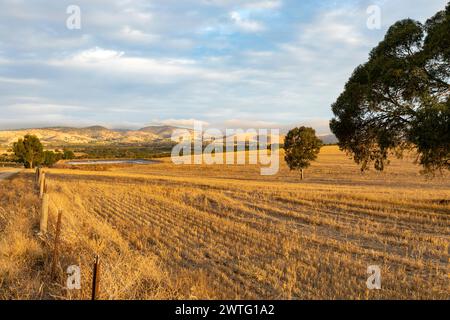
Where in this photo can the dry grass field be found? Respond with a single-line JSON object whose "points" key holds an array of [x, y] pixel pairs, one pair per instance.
{"points": [[207, 232]]}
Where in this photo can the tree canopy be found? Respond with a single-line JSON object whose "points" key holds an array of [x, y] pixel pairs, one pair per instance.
{"points": [[29, 151], [301, 147], [68, 154], [399, 99], [50, 158]]}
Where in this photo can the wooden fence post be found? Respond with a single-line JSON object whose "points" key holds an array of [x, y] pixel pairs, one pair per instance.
{"points": [[55, 249], [96, 278], [39, 176], [42, 185], [44, 215]]}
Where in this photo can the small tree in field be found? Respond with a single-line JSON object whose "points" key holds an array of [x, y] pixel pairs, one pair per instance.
{"points": [[301, 147], [29, 151]]}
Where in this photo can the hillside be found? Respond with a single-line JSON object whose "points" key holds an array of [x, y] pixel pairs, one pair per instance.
{"points": [[88, 135], [61, 136], [328, 139]]}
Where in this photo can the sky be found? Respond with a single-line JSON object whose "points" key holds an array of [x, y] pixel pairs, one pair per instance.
{"points": [[229, 64]]}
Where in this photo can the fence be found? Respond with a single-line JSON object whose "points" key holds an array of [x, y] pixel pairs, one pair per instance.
{"points": [[41, 186]]}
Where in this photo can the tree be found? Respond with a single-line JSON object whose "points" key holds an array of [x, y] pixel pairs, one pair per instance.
{"points": [[29, 151], [68, 155], [301, 147], [50, 158], [399, 99]]}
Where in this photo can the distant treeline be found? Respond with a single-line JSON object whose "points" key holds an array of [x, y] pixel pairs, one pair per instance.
{"points": [[158, 150], [239, 147], [124, 151], [128, 151]]}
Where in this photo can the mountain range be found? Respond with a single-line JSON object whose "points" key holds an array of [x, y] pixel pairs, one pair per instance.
{"points": [[60, 136]]}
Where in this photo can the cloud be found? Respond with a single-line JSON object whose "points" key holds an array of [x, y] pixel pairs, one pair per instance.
{"points": [[39, 108], [249, 4], [184, 123], [127, 33], [264, 5], [22, 81], [249, 123], [97, 55], [245, 24], [106, 61], [342, 26], [224, 62]]}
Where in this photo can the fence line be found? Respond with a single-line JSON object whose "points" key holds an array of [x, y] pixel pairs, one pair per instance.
{"points": [[41, 184]]}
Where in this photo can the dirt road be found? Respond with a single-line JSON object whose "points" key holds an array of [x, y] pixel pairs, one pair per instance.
{"points": [[8, 174]]}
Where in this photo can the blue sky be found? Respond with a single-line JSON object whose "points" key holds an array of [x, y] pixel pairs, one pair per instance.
{"points": [[255, 63]]}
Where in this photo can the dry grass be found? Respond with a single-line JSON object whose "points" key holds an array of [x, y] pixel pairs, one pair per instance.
{"points": [[166, 231], [21, 255]]}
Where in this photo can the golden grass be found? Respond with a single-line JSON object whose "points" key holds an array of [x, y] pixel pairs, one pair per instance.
{"points": [[21, 255], [166, 231]]}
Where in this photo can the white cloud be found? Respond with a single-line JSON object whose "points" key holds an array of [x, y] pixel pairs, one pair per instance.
{"points": [[249, 4], [264, 5], [185, 123], [258, 54], [246, 24], [43, 108], [96, 55], [127, 33], [335, 27], [22, 81], [250, 123], [136, 14], [4, 61], [104, 61]]}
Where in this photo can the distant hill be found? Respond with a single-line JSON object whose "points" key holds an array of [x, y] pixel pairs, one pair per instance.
{"points": [[329, 139], [161, 131], [88, 135], [60, 136]]}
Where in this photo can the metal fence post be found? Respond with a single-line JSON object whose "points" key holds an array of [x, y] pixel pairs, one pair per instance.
{"points": [[96, 278]]}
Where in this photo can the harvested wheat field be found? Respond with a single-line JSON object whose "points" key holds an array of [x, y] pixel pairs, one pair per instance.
{"points": [[226, 232]]}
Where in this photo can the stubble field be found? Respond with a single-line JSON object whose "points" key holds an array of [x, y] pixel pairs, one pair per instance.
{"points": [[226, 232]]}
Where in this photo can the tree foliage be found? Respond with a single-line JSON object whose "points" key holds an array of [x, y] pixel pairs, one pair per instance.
{"points": [[68, 155], [50, 158], [29, 151], [301, 147], [399, 99]]}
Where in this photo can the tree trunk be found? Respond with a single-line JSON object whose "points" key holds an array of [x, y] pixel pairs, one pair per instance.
{"points": [[302, 175]]}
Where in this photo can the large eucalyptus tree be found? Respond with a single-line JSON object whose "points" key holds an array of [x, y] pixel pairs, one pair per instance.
{"points": [[399, 99]]}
